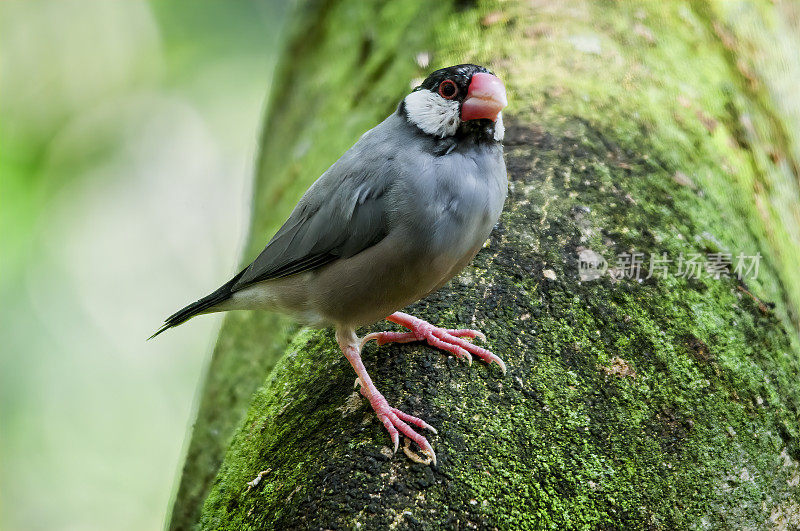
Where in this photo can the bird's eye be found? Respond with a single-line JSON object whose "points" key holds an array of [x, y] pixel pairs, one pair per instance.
{"points": [[448, 89]]}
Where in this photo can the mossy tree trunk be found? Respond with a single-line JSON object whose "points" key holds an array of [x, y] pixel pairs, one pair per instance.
{"points": [[665, 402]]}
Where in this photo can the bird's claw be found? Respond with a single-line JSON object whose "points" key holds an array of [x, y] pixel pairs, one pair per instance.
{"points": [[407, 337], [447, 339], [397, 422]]}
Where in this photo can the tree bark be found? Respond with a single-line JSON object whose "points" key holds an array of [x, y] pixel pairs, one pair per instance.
{"points": [[663, 402]]}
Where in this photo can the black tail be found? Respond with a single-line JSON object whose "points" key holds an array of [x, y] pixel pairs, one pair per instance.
{"points": [[198, 307]]}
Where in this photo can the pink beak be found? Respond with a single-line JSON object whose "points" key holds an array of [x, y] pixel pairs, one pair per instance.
{"points": [[486, 97]]}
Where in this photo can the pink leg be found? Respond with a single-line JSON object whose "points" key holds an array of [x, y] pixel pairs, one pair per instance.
{"points": [[393, 419], [443, 338]]}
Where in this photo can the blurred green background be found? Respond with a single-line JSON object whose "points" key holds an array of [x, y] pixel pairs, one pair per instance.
{"points": [[128, 134]]}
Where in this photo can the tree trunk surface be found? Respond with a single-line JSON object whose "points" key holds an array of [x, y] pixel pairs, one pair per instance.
{"points": [[665, 401]]}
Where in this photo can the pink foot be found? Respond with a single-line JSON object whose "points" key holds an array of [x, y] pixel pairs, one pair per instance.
{"points": [[445, 339], [396, 422]]}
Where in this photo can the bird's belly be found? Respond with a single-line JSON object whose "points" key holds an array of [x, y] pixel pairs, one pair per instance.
{"points": [[371, 285]]}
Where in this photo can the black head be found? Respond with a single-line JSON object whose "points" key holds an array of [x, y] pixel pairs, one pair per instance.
{"points": [[461, 100], [458, 76]]}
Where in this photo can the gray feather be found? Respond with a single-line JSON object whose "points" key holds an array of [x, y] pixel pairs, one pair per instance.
{"points": [[342, 214]]}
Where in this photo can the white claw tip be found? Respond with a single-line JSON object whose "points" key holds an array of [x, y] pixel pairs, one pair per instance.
{"points": [[502, 366], [429, 451]]}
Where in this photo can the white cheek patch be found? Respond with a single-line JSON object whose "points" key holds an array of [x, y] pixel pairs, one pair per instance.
{"points": [[432, 113], [499, 128]]}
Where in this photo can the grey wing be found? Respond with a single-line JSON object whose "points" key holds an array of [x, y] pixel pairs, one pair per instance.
{"points": [[339, 216]]}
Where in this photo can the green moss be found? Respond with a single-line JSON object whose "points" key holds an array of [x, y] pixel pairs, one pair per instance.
{"points": [[667, 403], [695, 435]]}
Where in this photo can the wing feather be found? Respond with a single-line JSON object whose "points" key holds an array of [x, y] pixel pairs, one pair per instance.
{"points": [[342, 214]]}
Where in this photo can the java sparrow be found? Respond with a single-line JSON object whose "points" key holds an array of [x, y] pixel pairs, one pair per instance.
{"points": [[395, 218]]}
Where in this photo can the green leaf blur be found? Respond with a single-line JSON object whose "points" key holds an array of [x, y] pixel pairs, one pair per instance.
{"points": [[128, 134]]}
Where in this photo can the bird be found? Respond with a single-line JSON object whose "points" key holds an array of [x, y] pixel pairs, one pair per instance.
{"points": [[398, 215]]}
